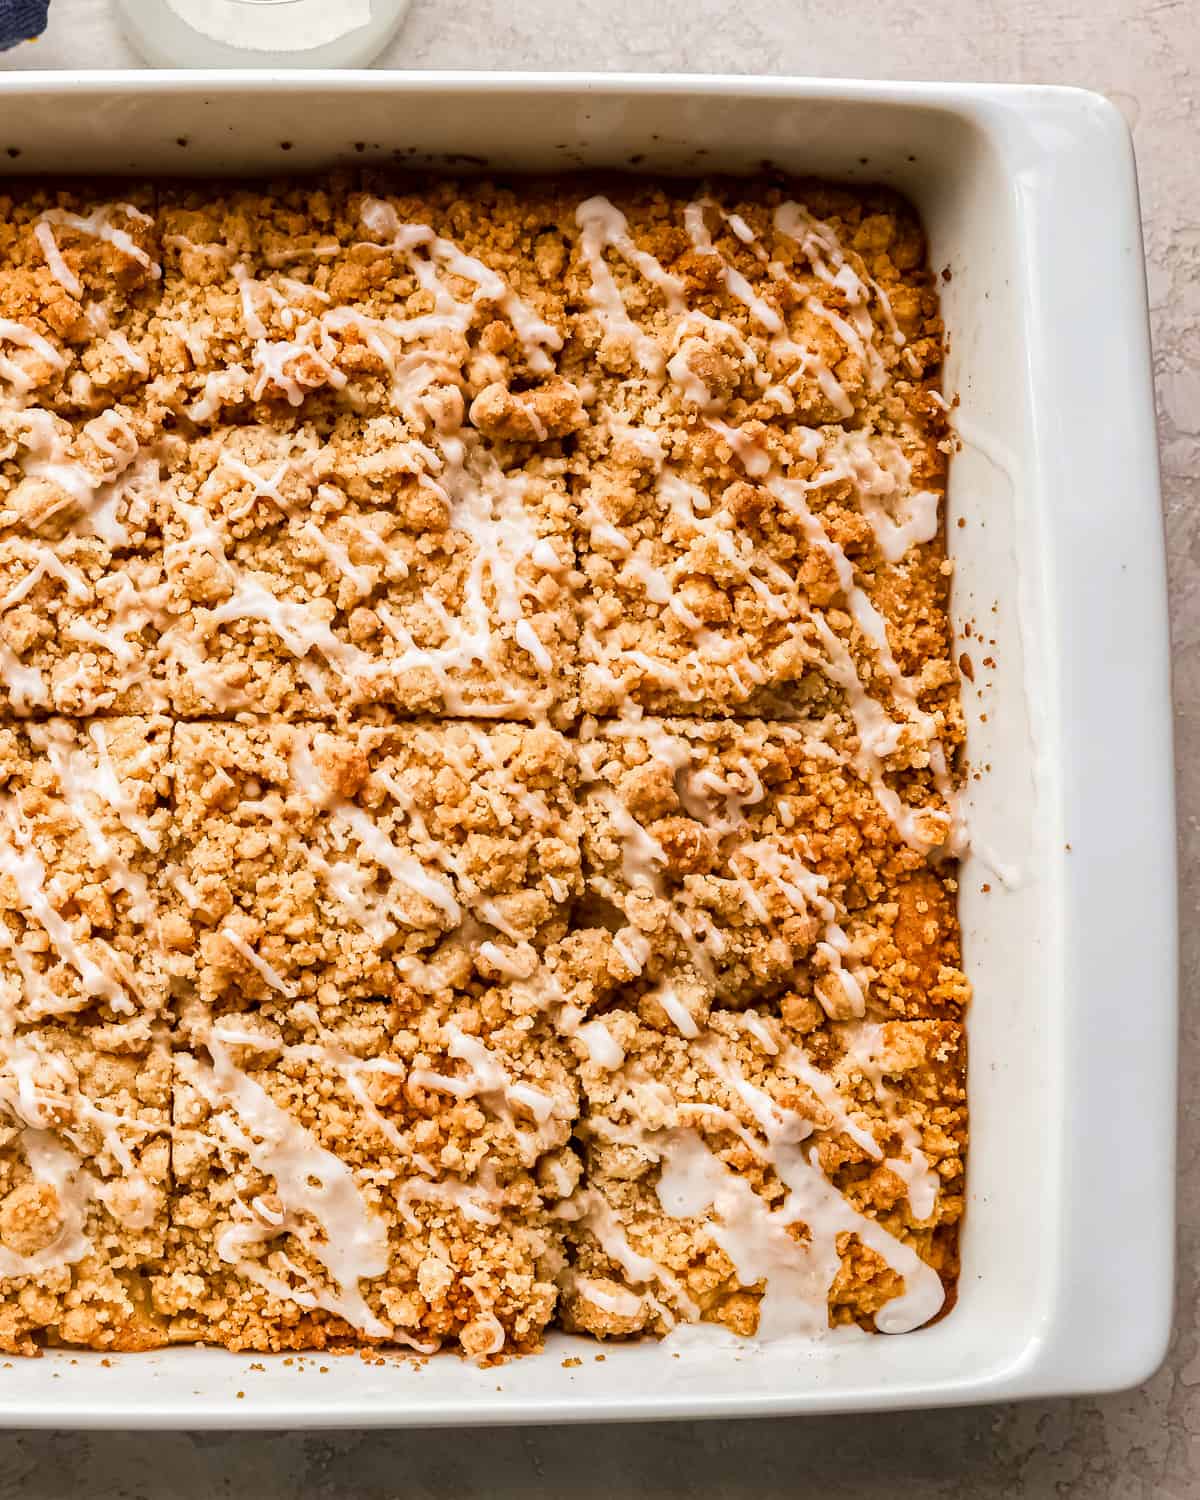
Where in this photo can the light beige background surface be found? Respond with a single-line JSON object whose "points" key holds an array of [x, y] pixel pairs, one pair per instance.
{"points": [[1145, 54]]}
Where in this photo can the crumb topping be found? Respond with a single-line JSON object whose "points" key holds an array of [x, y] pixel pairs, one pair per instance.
{"points": [[479, 741]]}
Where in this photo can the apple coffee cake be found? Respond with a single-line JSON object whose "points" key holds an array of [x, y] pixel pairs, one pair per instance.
{"points": [[479, 738]]}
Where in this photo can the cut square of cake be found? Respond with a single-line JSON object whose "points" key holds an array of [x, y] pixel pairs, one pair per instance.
{"points": [[774, 1180], [368, 1172], [85, 1115], [729, 863], [341, 864], [84, 833]]}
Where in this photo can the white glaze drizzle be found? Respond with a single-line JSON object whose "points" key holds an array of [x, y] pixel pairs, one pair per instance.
{"points": [[489, 1080], [720, 804], [22, 863], [323, 1208], [603, 226], [795, 1276], [101, 225], [899, 518], [866, 1049], [25, 338], [57, 1128], [426, 251]]}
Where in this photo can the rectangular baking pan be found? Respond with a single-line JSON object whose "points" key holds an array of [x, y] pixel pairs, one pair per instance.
{"points": [[1029, 197]]}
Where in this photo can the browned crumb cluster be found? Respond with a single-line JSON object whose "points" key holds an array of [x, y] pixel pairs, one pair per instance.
{"points": [[478, 742]]}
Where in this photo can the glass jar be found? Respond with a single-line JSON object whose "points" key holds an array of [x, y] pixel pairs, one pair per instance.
{"points": [[260, 33]]}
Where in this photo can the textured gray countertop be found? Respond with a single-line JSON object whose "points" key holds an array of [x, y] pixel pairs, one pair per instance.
{"points": [[1145, 54]]}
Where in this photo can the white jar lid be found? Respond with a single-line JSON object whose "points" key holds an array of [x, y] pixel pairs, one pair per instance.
{"points": [[273, 25]]}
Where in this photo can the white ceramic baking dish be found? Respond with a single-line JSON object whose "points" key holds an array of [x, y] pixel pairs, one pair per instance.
{"points": [[1030, 200]]}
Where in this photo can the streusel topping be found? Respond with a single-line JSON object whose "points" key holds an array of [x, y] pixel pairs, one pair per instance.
{"points": [[478, 751]]}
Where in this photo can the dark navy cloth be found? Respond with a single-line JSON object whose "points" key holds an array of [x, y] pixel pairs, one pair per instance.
{"points": [[20, 20]]}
